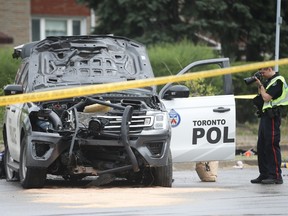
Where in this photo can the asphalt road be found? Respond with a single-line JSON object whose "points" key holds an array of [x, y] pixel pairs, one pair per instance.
{"points": [[232, 194]]}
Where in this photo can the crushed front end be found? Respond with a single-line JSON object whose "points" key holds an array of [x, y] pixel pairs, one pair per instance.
{"points": [[126, 134]]}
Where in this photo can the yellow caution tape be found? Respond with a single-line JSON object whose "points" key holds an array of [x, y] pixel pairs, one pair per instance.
{"points": [[244, 96], [111, 87]]}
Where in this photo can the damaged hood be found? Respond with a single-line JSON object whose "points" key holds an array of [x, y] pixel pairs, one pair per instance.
{"points": [[63, 61]]}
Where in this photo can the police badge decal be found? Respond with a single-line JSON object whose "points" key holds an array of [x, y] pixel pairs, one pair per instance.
{"points": [[175, 118]]}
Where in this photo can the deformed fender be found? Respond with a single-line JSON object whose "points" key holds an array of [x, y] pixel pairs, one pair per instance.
{"points": [[56, 147]]}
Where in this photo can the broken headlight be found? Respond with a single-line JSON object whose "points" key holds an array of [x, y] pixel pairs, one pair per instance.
{"points": [[161, 121]]}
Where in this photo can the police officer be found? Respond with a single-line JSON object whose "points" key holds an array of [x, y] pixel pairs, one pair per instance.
{"points": [[272, 96]]}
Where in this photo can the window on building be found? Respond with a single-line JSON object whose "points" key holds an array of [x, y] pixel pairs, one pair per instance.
{"points": [[55, 27], [35, 29], [43, 27], [76, 27]]}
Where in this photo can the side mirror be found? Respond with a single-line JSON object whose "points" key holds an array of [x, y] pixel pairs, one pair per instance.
{"points": [[176, 91], [13, 89]]}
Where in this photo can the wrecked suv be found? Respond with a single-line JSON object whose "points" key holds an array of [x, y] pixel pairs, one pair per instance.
{"points": [[124, 134]]}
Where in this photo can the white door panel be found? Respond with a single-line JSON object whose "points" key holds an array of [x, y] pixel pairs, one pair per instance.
{"points": [[13, 129], [203, 128]]}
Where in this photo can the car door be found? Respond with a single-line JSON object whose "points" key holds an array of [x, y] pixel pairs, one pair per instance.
{"points": [[203, 128], [13, 115]]}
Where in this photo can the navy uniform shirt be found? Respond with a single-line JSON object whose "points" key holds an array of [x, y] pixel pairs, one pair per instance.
{"points": [[275, 90]]}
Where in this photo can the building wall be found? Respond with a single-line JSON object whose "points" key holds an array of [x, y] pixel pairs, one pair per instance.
{"points": [[15, 15], [15, 20], [61, 8], [56, 7]]}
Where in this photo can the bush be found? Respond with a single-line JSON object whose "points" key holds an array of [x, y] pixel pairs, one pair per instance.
{"points": [[8, 66], [169, 59], [8, 69]]}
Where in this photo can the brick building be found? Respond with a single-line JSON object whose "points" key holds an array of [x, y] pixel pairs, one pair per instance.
{"points": [[31, 20]]}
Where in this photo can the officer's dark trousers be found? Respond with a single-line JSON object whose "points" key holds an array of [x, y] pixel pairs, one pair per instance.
{"points": [[268, 147]]}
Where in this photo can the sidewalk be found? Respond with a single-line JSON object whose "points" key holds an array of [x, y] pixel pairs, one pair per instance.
{"points": [[247, 161]]}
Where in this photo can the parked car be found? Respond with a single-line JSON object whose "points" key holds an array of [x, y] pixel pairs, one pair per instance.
{"points": [[117, 135]]}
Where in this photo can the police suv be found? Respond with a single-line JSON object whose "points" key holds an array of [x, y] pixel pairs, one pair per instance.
{"points": [[114, 135]]}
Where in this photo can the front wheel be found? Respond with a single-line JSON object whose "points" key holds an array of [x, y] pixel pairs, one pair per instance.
{"points": [[30, 177], [163, 174]]}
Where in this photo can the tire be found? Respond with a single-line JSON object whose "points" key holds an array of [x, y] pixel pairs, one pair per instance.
{"points": [[30, 177], [11, 175], [163, 174]]}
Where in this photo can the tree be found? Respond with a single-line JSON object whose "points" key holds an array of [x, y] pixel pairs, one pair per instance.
{"points": [[232, 22], [147, 21]]}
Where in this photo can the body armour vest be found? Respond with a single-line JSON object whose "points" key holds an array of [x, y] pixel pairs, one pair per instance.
{"points": [[280, 101]]}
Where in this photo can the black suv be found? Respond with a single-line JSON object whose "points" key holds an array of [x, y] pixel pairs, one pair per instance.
{"points": [[124, 134]]}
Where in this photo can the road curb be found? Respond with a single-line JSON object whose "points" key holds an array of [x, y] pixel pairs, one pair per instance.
{"points": [[222, 164]]}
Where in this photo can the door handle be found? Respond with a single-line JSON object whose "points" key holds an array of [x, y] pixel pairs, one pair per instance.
{"points": [[221, 109], [12, 110]]}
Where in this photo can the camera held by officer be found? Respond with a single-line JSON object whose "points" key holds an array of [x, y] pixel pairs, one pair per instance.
{"points": [[252, 79]]}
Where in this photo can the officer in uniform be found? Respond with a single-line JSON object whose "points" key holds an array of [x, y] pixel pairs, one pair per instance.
{"points": [[271, 95]]}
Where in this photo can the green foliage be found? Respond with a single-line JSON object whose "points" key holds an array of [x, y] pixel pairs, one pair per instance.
{"points": [[2, 109], [146, 21], [170, 58], [247, 23], [240, 22], [8, 66], [200, 87], [8, 69]]}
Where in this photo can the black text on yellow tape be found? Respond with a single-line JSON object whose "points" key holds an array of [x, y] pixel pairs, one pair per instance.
{"points": [[110, 87]]}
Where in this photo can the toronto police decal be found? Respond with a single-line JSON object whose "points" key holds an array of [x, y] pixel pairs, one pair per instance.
{"points": [[175, 118], [213, 130]]}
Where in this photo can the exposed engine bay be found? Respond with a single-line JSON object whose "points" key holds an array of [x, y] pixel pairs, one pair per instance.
{"points": [[98, 131]]}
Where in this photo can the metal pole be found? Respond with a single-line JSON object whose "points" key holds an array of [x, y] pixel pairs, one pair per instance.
{"points": [[277, 36]]}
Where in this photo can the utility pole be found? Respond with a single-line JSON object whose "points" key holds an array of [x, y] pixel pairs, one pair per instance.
{"points": [[277, 35]]}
